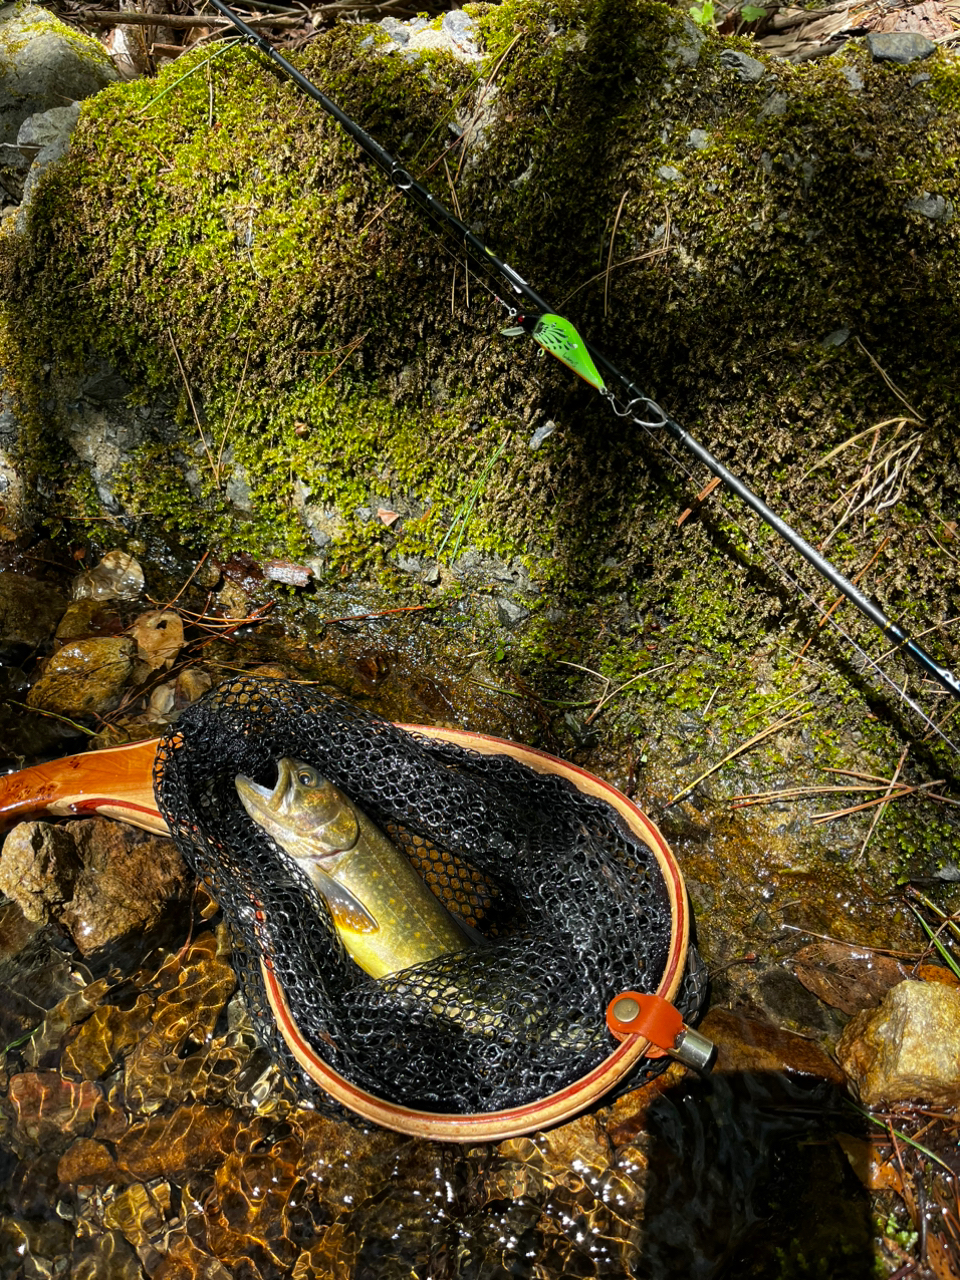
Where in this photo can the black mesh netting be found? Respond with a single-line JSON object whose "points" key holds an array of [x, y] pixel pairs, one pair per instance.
{"points": [[572, 903]]}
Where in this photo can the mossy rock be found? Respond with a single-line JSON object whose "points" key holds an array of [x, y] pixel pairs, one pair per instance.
{"points": [[778, 281], [44, 64]]}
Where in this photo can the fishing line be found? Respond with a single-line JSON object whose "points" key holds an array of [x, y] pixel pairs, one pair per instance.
{"points": [[558, 336]]}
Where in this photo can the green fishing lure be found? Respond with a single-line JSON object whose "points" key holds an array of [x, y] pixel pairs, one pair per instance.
{"points": [[560, 338]]}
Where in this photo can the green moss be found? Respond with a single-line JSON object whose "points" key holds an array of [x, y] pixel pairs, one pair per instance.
{"points": [[335, 365]]}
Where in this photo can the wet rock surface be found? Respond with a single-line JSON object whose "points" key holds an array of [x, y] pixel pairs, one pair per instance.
{"points": [[29, 610], [84, 677], [908, 1049], [100, 880]]}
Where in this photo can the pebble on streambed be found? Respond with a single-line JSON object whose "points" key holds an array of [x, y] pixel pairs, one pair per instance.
{"points": [[99, 880]]}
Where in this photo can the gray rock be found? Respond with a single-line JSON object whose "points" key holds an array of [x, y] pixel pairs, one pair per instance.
{"points": [[775, 105], [54, 128], [683, 48], [454, 37], [699, 139], [668, 173], [461, 30], [835, 339], [808, 171], [409, 564], [44, 64], [542, 433], [29, 612], [46, 128], [237, 489], [398, 31], [510, 613], [920, 78], [432, 576], [936, 208], [103, 430], [745, 68], [104, 387], [899, 46], [853, 78]]}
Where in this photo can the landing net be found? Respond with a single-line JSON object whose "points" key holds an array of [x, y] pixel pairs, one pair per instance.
{"points": [[573, 905]]}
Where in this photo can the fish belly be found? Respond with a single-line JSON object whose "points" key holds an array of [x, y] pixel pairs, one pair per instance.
{"points": [[412, 924]]}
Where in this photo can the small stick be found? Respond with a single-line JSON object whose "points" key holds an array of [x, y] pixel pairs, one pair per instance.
{"points": [[126, 17], [698, 501], [821, 621], [193, 410], [384, 613], [660, 250], [902, 398], [39, 711], [350, 350], [620, 688], [898, 794], [199, 565], [854, 946]]}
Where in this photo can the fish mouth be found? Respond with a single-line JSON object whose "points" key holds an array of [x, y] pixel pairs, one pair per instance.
{"points": [[264, 799]]}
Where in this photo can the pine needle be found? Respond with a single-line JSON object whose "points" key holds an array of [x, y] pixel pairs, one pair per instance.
{"points": [[737, 751]]}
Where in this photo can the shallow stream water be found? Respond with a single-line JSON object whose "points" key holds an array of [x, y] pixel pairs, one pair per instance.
{"points": [[145, 1133]]}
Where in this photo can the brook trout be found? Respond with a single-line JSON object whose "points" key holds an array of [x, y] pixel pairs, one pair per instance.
{"points": [[384, 912]]}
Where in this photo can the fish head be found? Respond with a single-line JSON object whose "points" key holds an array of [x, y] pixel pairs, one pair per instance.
{"points": [[305, 813]]}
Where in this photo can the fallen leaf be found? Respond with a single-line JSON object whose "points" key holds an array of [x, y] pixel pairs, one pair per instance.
{"points": [[937, 973], [388, 517], [846, 978], [875, 1174], [159, 637]]}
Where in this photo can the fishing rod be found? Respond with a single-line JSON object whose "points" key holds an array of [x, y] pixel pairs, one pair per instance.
{"points": [[558, 336]]}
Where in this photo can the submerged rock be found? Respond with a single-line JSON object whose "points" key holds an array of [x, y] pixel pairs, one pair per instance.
{"points": [[99, 880], [749, 1044], [908, 1049], [117, 577], [48, 1108], [29, 611], [85, 677]]}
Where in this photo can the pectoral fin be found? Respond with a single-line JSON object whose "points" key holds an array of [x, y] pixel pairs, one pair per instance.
{"points": [[348, 912]]}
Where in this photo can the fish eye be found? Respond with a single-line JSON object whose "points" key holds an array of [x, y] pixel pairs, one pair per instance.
{"points": [[308, 777]]}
